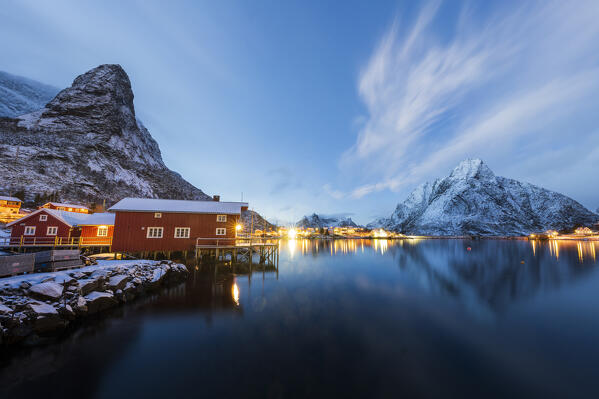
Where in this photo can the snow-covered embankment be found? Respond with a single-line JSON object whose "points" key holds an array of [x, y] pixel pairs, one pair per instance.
{"points": [[42, 304]]}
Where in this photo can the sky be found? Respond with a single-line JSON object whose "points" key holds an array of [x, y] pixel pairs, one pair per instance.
{"points": [[338, 108]]}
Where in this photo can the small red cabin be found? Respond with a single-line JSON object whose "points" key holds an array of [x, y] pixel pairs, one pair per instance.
{"points": [[66, 207], [50, 227], [145, 224]]}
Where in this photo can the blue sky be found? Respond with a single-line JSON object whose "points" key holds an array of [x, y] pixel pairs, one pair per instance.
{"points": [[337, 107]]}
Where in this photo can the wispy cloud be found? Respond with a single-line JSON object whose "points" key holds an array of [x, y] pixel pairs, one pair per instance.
{"points": [[501, 77]]}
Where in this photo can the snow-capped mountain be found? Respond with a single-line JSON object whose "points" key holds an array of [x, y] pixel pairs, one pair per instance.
{"points": [[320, 221], [473, 201], [19, 95], [87, 145]]}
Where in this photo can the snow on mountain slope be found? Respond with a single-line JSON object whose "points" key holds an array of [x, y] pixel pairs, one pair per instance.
{"points": [[19, 95], [320, 221], [87, 145], [473, 201]]}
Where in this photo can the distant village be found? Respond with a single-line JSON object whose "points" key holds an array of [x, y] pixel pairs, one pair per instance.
{"points": [[149, 225]]}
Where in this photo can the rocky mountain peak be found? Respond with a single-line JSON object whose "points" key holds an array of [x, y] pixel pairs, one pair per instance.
{"points": [[473, 201], [471, 169], [87, 145]]}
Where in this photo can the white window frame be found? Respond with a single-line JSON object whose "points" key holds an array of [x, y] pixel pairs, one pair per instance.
{"points": [[182, 232], [43, 218], [221, 218], [54, 230], [104, 229], [221, 231], [154, 235], [29, 231], [157, 215]]}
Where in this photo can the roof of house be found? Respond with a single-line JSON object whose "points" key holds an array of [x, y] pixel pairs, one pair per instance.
{"points": [[9, 198], [74, 219], [178, 206], [64, 205]]}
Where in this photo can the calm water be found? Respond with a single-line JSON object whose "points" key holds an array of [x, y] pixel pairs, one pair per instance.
{"points": [[346, 318]]}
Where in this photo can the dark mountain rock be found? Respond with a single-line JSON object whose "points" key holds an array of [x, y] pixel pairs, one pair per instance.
{"points": [[320, 221], [87, 145]]}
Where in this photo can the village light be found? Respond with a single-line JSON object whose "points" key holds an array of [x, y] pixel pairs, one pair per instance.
{"points": [[292, 233], [238, 227]]}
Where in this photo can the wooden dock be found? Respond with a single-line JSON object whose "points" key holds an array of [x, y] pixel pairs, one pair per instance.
{"points": [[240, 249]]}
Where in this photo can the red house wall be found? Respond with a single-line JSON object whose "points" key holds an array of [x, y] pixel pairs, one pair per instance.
{"points": [[92, 231], [130, 237], [41, 228]]}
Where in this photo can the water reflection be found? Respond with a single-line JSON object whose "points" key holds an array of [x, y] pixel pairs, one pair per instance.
{"points": [[490, 275]]}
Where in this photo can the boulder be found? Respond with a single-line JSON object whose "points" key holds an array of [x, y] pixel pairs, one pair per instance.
{"points": [[42, 309], [66, 312], [118, 282], [81, 306], [91, 284], [98, 301], [5, 310], [48, 290]]}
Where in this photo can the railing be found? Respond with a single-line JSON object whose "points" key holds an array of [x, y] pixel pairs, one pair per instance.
{"points": [[30, 241], [239, 241]]}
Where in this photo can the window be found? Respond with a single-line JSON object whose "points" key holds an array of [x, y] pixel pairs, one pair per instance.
{"points": [[221, 218], [43, 218], [157, 215], [102, 231], [221, 231], [52, 231], [154, 232], [182, 232], [29, 230]]}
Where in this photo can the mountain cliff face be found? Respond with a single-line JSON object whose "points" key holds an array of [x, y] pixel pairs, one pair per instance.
{"points": [[251, 218], [19, 95], [320, 221], [87, 145], [473, 201]]}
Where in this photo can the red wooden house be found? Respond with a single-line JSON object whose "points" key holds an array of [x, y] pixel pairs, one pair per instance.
{"points": [[50, 227], [144, 224], [66, 207]]}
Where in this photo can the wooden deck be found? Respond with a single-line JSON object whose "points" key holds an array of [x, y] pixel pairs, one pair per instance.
{"points": [[54, 242], [240, 249]]}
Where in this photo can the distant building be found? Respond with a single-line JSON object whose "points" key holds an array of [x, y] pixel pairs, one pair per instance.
{"points": [[146, 224], [9, 209], [59, 206], [48, 227]]}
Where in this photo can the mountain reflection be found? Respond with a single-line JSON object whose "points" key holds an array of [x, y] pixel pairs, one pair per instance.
{"points": [[488, 273]]}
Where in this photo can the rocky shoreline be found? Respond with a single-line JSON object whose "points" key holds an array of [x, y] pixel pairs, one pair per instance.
{"points": [[35, 306]]}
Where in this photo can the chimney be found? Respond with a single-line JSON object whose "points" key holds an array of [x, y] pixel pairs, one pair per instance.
{"points": [[216, 198]]}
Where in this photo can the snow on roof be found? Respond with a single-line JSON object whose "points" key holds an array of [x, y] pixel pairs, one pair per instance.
{"points": [[180, 206], [74, 219], [9, 198], [64, 205]]}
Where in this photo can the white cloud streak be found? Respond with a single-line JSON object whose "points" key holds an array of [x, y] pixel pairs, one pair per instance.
{"points": [[500, 79]]}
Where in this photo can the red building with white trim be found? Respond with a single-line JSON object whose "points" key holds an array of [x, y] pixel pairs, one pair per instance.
{"points": [[147, 224], [50, 227]]}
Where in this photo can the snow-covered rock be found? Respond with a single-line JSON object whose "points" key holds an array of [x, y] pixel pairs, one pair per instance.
{"points": [[87, 145], [118, 282], [42, 309], [47, 290], [323, 221], [473, 201], [97, 301], [19, 95]]}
